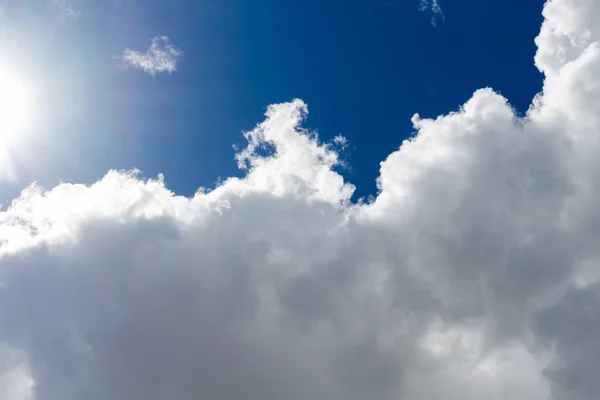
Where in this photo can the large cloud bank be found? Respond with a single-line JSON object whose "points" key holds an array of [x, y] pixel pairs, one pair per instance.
{"points": [[473, 275]]}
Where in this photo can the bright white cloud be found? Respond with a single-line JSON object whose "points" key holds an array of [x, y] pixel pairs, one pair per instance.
{"points": [[160, 57], [470, 276], [432, 6]]}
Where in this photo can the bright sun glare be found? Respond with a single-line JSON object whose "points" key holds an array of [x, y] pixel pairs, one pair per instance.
{"points": [[14, 105]]}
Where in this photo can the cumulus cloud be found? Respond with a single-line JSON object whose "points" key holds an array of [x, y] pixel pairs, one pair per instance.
{"points": [[472, 275], [160, 57], [432, 6]]}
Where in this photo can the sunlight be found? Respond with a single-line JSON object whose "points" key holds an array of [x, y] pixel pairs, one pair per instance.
{"points": [[14, 106]]}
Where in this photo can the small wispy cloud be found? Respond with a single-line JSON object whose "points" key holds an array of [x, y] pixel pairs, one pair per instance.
{"points": [[433, 7], [160, 57], [341, 142], [66, 7]]}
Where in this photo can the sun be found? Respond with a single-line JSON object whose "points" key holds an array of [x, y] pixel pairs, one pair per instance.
{"points": [[14, 106]]}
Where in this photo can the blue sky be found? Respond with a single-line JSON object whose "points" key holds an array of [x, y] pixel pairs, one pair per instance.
{"points": [[363, 67]]}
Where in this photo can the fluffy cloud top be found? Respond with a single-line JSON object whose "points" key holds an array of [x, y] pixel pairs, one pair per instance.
{"points": [[474, 274], [160, 57]]}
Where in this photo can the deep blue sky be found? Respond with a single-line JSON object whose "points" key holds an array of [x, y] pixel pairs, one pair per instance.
{"points": [[364, 67]]}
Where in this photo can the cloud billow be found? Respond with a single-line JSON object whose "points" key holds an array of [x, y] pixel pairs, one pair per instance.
{"points": [[472, 275]]}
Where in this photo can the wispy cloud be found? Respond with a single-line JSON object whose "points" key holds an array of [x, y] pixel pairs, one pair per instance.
{"points": [[66, 7], [160, 57], [432, 6]]}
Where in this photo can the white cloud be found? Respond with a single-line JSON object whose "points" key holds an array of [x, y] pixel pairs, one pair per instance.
{"points": [[470, 276], [340, 141], [160, 57], [432, 6]]}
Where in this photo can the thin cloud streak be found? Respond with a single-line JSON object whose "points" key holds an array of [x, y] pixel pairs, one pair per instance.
{"points": [[67, 8]]}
